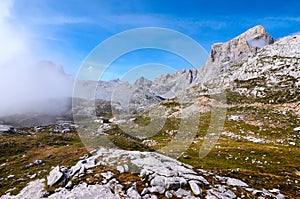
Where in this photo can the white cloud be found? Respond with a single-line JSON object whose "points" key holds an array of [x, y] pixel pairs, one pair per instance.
{"points": [[12, 39], [22, 82], [290, 19], [157, 20], [58, 20], [5, 8]]}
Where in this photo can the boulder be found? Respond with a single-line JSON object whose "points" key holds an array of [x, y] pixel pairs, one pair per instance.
{"points": [[297, 129], [236, 182], [55, 176], [7, 129], [195, 187], [132, 193], [107, 175]]}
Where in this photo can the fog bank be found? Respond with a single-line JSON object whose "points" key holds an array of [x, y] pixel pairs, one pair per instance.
{"points": [[26, 85]]}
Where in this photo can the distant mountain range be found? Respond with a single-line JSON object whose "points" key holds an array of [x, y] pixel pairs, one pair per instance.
{"points": [[252, 67]]}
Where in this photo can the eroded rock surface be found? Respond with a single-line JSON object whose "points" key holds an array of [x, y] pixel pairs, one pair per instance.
{"points": [[161, 175]]}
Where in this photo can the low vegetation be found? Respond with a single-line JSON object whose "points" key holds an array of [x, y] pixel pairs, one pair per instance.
{"points": [[20, 156], [272, 162]]}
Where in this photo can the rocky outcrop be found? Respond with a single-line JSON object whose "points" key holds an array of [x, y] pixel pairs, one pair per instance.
{"points": [[169, 86], [7, 129], [162, 177], [272, 75], [239, 49], [10, 130], [55, 176], [143, 82], [122, 97]]}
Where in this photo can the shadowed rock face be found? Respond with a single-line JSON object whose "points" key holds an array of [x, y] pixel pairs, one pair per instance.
{"points": [[239, 48]]}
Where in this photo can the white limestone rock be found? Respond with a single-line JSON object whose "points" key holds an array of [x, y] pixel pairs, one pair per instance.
{"points": [[182, 193], [107, 175], [84, 191], [54, 176], [132, 193], [236, 182], [239, 48], [34, 190], [195, 187], [297, 129]]}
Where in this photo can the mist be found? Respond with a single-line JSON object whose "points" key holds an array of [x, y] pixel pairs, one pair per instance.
{"points": [[29, 88], [26, 84]]}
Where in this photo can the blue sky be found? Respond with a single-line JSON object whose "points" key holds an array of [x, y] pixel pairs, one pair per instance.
{"points": [[66, 31]]}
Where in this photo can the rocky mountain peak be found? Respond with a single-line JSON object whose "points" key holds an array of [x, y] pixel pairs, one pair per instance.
{"points": [[143, 82], [259, 29], [169, 86], [257, 37], [240, 48]]}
